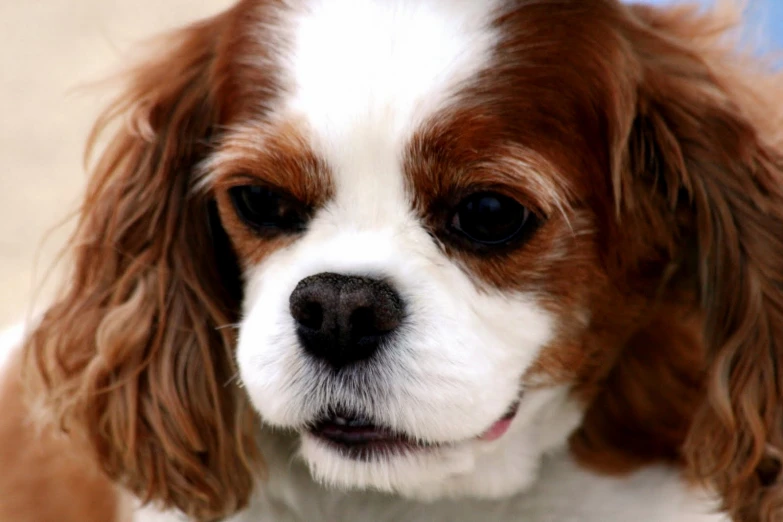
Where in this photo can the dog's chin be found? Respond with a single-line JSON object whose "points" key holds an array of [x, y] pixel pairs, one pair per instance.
{"points": [[347, 452]]}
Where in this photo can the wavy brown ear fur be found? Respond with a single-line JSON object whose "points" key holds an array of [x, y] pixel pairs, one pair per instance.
{"points": [[707, 132], [135, 356]]}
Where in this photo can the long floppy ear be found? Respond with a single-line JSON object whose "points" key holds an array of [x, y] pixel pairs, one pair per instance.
{"points": [[707, 133], [136, 355]]}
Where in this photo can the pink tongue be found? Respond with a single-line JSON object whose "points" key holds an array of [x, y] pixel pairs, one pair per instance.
{"points": [[497, 430]]}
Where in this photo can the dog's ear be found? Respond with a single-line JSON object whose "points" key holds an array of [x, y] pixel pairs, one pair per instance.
{"points": [[705, 161], [136, 355]]}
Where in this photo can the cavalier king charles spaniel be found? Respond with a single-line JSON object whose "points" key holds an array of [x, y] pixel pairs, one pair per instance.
{"points": [[419, 260]]}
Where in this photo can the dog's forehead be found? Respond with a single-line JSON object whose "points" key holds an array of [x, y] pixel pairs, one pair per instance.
{"points": [[363, 75], [381, 61]]}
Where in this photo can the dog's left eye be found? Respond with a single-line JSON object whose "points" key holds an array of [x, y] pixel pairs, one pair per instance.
{"points": [[268, 210], [491, 219]]}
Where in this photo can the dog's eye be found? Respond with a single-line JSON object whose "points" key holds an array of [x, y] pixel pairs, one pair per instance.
{"points": [[267, 210], [491, 219]]}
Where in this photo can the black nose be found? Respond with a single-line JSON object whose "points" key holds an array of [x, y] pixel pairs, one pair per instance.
{"points": [[343, 319]]}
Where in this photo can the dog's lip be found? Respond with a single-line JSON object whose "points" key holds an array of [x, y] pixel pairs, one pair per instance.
{"points": [[349, 429], [358, 437], [501, 426]]}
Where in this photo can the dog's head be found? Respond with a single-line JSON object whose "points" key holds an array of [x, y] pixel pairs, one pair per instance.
{"points": [[432, 240]]}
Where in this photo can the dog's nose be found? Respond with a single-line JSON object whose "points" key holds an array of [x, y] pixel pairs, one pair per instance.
{"points": [[343, 319]]}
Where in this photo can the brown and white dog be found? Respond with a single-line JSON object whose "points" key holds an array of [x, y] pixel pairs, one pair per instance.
{"points": [[419, 260]]}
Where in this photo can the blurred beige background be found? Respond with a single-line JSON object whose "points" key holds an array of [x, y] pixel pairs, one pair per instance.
{"points": [[48, 50]]}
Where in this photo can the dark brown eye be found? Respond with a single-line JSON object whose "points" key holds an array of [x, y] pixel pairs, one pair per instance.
{"points": [[267, 210], [491, 219]]}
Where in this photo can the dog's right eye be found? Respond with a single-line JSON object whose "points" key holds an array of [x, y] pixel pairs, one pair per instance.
{"points": [[267, 210]]}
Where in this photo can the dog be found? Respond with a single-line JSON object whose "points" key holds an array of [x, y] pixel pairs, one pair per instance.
{"points": [[419, 260]]}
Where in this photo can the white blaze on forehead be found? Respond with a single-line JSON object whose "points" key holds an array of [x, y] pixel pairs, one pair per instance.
{"points": [[362, 74], [383, 60]]}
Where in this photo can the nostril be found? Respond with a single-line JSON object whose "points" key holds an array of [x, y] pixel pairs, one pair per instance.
{"points": [[310, 315]]}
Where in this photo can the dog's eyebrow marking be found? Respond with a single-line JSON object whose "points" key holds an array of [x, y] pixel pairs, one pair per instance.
{"points": [[279, 155]]}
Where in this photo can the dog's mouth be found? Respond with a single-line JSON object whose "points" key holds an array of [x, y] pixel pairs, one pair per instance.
{"points": [[356, 437]]}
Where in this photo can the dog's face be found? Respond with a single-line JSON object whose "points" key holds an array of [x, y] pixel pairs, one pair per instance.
{"points": [[403, 213]]}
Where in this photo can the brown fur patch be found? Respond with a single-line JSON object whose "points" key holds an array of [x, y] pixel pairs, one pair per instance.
{"points": [[46, 476]]}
